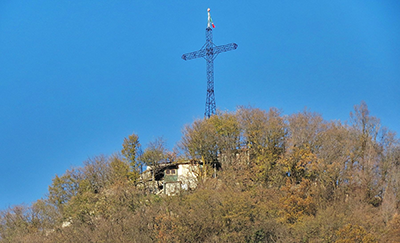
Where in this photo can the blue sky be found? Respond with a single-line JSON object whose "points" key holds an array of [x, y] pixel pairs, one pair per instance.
{"points": [[76, 77]]}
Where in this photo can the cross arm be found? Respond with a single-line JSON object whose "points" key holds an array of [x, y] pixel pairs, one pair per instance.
{"points": [[225, 48], [195, 54]]}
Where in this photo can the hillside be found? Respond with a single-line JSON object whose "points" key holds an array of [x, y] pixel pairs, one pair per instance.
{"points": [[296, 178]]}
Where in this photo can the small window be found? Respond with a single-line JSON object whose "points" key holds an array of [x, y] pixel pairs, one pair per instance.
{"points": [[170, 172]]}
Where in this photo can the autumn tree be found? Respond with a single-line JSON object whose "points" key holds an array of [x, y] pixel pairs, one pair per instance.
{"points": [[354, 233], [227, 134], [199, 142], [297, 201], [264, 135], [366, 157], [283, 178], [154, 155]]}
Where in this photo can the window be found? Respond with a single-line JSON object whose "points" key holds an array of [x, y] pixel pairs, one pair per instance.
{"points": [[170, 171]]}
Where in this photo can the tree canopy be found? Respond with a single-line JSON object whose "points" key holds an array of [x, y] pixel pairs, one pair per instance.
{"points": [[295, 178]]}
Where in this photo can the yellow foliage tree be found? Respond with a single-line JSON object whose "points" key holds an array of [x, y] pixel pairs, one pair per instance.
{"points": [[354, 234]]}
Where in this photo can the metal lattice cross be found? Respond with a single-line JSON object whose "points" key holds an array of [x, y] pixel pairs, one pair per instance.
{"points": [[209, 51]]}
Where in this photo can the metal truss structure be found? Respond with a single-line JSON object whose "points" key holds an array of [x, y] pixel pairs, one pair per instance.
{"points": [[209, 51]]}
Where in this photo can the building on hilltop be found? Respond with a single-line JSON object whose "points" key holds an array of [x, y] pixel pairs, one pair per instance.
{"points": [[171, 178]]}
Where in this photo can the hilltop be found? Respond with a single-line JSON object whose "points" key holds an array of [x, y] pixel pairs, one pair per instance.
{"points": [[264, 177]]}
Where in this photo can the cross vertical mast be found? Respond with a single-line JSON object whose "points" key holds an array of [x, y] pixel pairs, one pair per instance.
{"points": [[210, 99], [209, 52]]}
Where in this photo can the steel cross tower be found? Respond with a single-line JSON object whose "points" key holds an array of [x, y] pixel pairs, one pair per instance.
{"points": [[209, 51]]}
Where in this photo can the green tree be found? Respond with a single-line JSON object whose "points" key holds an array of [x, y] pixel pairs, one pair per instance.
{"points": [[119, 169], [131, 150], [64, 188]]}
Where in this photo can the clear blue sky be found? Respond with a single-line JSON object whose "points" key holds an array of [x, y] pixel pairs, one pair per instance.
{"points": [[76, 77]]}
